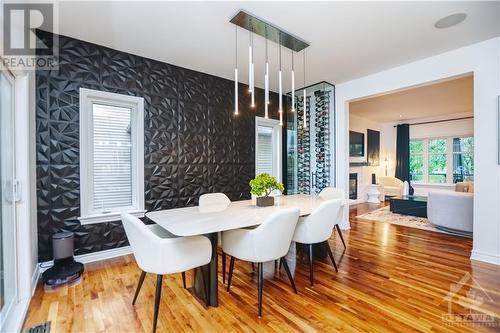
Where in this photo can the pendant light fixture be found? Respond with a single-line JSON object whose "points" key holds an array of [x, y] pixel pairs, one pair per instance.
{"points": [[250, 60], [270, 32], [251, 77], [266, 85], [280, 89], [252, 103], [305, 104], [236, 71], [293, 86]]}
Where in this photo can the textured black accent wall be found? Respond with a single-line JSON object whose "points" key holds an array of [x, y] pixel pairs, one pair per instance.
{"points": [[193, 143]]}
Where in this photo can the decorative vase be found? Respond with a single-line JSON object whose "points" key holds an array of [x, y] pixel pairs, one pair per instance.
{"points": [[265, 201]]}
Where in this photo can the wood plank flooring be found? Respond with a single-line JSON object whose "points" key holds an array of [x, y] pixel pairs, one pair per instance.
{"points": [[391, 279]]}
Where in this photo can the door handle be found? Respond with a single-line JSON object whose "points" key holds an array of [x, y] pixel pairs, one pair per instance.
{"points": [[17, 190]]}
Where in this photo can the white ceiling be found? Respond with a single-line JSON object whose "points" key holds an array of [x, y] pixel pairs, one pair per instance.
{"points": [[451, 98], [348, 39]]}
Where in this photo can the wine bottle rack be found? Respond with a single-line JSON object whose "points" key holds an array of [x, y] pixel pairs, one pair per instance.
{"points": [[322, 140], [303, 146]]}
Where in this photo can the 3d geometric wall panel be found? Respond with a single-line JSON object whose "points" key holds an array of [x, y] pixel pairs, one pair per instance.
{"points": [[193, 143]]}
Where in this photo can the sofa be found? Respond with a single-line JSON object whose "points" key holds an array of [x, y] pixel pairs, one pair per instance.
{"points": [[464, 187], [391, 186], [451, 211]]}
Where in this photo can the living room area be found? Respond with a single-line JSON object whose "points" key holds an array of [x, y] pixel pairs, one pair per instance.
{"points": [[411, 156]]}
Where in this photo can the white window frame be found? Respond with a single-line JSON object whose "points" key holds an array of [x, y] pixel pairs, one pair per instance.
{"points": [[88, 97], [277, 142], [449, 159]]}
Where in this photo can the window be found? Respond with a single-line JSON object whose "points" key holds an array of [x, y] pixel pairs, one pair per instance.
{"points": [[437, 160], [442, 160], [111, 156], [463, 159], [417, 160], [268, 147]]}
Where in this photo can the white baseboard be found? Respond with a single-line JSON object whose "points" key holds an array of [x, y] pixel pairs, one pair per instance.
{"points": [[490, 258], [93, 257], [34, 279], [15, 321]]}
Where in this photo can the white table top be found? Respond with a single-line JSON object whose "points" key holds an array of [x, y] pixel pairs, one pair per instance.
{"points": [[190, 221]]}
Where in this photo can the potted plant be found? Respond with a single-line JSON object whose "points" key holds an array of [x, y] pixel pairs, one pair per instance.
{"points": [[265, 184]]}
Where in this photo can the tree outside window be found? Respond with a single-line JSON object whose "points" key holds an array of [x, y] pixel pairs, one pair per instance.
{"points": [[417, 160], [437, 160]]}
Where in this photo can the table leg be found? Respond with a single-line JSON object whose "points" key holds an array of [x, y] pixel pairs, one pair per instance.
{"points": [[207, 274]]}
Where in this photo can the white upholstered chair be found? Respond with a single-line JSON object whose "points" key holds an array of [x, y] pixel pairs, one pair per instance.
{"points": [[269, 241], [215, 202], [329, 193], [318, 228], [159, 252], [392, 186], [451, 211]]}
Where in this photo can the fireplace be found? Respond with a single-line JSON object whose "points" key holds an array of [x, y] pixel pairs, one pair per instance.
{"points": [[353, 186]]}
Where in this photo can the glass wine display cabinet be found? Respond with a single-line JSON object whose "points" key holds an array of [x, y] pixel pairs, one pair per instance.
{"points": [[310, 145]]}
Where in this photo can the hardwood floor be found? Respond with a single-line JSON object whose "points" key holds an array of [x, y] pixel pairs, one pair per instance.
{"points": [[391, 279]]}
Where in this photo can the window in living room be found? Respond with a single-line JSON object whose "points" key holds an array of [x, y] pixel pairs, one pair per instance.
{"points": [[417, 160], [442, 160], [463, 159], [437, 161]]}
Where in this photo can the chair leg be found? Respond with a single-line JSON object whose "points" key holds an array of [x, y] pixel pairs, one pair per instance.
{"points": [[159, 279], [340, 234], [205, 288], [253, 267], [184, 279], [330, 254], [276, 266], [287, 270], [311, 265], [139, 285], [260, 282], [223, 268], [230, 277]]}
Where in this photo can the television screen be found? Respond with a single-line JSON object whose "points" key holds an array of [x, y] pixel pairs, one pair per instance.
{"points": [[356, 144]]}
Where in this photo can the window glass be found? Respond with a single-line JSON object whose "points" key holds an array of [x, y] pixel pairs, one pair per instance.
{"points": [[417, 160], [112, 154], [437, 160], [463, 159]]}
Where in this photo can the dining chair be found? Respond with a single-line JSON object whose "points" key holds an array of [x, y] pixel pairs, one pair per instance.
{"points": [[215, 202], [329, 193], [158, 252], [269, 241], [318, 228]]}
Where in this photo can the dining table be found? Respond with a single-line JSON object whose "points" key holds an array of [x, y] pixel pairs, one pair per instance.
{"points": [[192, 221]]}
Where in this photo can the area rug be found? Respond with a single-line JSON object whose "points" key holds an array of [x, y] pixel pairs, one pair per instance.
{"points": [[384, 215]]}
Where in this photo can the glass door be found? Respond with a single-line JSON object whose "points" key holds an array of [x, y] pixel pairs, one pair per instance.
{"points": [[8, 288], [310, 140]]}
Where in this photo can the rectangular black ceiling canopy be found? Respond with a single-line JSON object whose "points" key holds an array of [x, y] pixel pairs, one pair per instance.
{"points": [[269, 31]]}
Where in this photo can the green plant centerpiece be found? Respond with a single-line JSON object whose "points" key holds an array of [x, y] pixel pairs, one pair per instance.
{"points": [[263, 185]]}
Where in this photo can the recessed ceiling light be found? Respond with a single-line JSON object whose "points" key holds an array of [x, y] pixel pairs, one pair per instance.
{"points": [[450, 20]]}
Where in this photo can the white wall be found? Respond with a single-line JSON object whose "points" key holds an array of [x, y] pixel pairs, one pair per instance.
{"points": [[481, 59]]}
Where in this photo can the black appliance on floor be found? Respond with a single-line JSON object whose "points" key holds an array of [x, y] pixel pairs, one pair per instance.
{"points": [[65, 269]]}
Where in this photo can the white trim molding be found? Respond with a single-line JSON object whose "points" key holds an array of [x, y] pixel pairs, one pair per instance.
{"points": [[491, 258], [93, 257], [88, 98]]}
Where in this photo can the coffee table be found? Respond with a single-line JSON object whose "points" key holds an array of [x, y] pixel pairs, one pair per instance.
{"points": [[409, 205]]}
